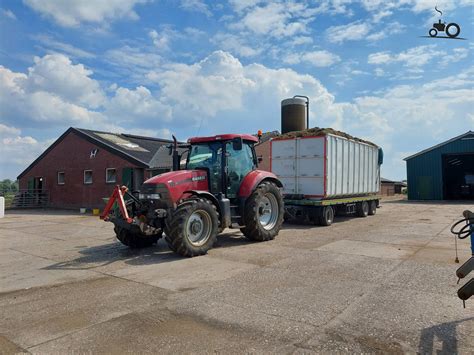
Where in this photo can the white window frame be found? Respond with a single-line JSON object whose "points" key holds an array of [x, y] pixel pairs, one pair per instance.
{"points": [[64, 178], [106, 176], [92, 177]]}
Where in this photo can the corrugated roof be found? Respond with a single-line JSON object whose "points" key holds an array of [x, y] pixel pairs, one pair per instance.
{"points": [[138, 147], [467, 135]]}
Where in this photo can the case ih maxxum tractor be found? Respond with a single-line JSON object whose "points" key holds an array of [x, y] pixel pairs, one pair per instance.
{"points": [[220, 188]]}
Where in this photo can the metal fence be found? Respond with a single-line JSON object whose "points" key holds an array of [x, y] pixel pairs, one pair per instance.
{"points": [[27, 199]]}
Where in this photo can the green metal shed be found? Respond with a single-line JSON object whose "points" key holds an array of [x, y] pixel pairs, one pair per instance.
{"points": [[443, 172]]}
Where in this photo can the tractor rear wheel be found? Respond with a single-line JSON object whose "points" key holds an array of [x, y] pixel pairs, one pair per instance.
{"points": [[135, 240], [193, 228], [264, 212]]}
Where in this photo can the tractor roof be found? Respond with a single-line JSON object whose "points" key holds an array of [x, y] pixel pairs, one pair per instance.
{"points": [[222, 137]]}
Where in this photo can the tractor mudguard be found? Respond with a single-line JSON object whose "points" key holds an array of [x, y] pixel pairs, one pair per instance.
{"points": [[253, 179]]}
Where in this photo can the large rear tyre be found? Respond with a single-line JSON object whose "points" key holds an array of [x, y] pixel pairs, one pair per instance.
{"points": [[372, 208], [264, 212], [362, 209], [193, 228], [135, 240]]}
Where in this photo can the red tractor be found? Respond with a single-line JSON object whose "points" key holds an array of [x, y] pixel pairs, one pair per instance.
{"points": [[221, 187]]}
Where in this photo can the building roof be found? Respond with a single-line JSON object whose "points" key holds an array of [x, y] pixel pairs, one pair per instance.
{"points": [[163, 159], [387, 181], [467, 135], [138, 150]]}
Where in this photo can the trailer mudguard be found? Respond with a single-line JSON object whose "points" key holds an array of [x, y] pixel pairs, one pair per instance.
{"points": [[253, 179]]}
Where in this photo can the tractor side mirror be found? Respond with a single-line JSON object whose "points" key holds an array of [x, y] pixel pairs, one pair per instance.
{"points": [[237, 143]]}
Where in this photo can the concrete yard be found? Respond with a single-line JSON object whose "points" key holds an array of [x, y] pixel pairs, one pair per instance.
{"points": [[374, 285]]}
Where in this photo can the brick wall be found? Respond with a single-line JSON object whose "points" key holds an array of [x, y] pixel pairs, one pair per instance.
{"points": [[72, 156]]}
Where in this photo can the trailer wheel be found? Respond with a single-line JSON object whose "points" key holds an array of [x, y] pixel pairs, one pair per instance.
{"points": [[372, 208], [327, 216], [193, 228], [135, 240], [362, 209], [264, 212]]}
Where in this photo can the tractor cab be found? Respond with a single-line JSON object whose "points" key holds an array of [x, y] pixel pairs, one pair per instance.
{"points": [[227, 159]]}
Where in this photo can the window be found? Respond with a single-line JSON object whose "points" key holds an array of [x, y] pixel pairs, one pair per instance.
{"points": [[61, 180], [87, 176], [110, 175]]}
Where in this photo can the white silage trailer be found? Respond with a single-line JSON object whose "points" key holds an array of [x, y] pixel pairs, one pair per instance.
{"points": [[326, 175]]}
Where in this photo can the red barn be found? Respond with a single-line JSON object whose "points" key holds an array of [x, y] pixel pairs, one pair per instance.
{"points": [[82, 167]]}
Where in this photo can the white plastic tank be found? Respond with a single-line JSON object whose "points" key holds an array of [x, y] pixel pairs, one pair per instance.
{"points": [[2, 207]]}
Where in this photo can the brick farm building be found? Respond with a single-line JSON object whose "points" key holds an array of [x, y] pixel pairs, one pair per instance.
{"points": [[82, 167]]}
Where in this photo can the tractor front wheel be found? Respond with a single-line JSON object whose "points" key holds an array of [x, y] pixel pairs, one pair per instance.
{"points": [[264, 212], [135, 240], [193, 228]]}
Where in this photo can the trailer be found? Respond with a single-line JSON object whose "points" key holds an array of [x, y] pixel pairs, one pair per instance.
{"points": [[325, 174]]}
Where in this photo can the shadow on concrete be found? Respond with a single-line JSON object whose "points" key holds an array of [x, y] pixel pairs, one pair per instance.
{"points": [[106, 254], [444, 333]]}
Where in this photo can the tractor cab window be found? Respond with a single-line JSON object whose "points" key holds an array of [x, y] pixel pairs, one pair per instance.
{"points": [[208, 156], [239, 164]]}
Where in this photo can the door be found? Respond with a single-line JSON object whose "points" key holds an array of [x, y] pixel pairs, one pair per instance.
{"points": [[239, 164], [127, 177]]}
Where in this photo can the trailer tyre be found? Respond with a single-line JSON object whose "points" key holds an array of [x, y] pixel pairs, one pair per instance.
{"points": [[193, 228], [327, 216], [362, 209], [135, 240], [264, 213], [372, 208]]}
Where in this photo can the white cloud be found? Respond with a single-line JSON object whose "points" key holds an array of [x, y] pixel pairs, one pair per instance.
{"points": [[196, 6], [56, 73], [413, 58], [316, 58], [72, 13], [17, 151], [275, 19], [160, 40], [8, 13], [130, 106], [390, 29], [235, 44], [351, 32], [132, 62], [52, 46]]}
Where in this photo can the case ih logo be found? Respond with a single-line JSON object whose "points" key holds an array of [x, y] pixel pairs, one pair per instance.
{"points": [[452, 30]]}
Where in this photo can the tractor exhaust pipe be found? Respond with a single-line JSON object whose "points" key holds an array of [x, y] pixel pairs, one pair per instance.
{"points": [[176, 157]]}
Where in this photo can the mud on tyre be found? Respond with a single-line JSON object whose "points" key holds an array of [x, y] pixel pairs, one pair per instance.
{"points": [[263, 213]]}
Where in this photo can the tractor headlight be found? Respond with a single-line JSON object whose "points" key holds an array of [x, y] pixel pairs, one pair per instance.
{"points": [[149, 196]]}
